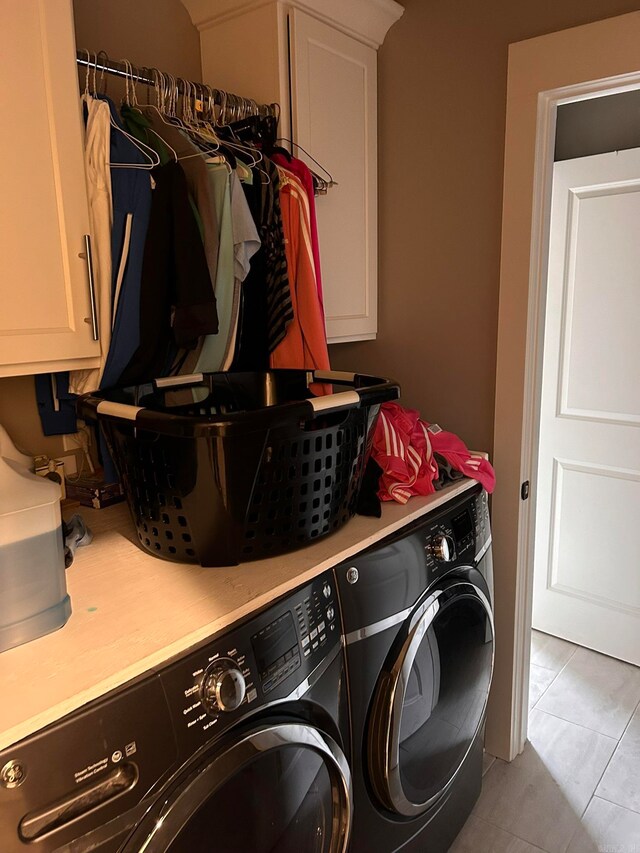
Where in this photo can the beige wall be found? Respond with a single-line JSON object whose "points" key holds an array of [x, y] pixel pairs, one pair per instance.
{"points": [[442, 90], [146, 32]]}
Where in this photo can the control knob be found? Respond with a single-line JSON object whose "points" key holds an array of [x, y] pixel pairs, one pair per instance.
{"points": [[326, 590], [330, 613], [442, 548], [223, 686]]}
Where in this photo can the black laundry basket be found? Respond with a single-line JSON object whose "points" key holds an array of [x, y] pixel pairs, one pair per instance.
{"points": [[220, 468]]}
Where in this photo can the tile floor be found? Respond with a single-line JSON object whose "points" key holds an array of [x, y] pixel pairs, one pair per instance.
{"points": [[576, 786]]}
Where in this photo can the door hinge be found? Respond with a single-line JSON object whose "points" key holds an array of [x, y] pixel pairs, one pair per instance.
{"points": [[524, 490]]}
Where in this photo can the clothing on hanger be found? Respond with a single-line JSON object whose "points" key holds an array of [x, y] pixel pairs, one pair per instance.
{"points": [[302, 171], [177, 302], [305, 342], [98, 178], [198, 182], [239, 241], [267, 308], [131, 199]]}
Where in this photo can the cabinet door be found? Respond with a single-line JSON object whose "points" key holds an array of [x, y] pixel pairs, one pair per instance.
{"points": [[45, 318], [334, 103]]}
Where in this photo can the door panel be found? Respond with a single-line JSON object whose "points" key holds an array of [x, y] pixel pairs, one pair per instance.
{"points": [[333, 80], [279, 788], [587, 551], [430, 701], [43, 212]]}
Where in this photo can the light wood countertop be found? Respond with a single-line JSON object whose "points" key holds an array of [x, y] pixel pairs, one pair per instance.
{"points": [[132, 611]]}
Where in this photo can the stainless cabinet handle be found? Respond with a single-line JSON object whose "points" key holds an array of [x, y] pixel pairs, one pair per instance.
{"points": [[92, 287]]}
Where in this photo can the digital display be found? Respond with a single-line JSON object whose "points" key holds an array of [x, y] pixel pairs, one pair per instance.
{"points": [[462, 525], [273, 642]]}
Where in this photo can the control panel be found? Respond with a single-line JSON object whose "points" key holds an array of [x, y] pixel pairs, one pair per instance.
{"points": [[265, 660], [457, 536]]}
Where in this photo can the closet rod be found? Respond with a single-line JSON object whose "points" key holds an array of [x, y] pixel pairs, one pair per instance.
{"points": [[142, 76]]}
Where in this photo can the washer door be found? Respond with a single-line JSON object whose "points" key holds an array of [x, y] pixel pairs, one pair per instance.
{"points": [[430, 701], [280, 788]]}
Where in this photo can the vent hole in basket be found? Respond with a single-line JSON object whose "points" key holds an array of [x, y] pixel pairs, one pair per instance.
{"points": [[147, 542], [145, 528], [186, 537], [292, 472], [182, 521], [328, 461], [318, 443], [329, 441], [168, 534], [140, 536], [306, 447], [191, 552], [172, 549], [316, 503], [314, 533], [315, 519], [177, 503], [162, 499], [293, 450], [305, 469], [317, 466], [326, 514], [327, 499], [154, 530], [304, 488], [303, 506], [165, 518], [316, 485], [327, 482], [156, 546]]}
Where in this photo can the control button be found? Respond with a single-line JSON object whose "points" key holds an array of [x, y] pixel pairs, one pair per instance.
{"points": [[323, 638], [442, 548], [252, 695], [326, 590], [307, 652], [330, 613], [352, 575], [321, 626], [305, 642], [314, 633], [223, 687], [314, 646]]}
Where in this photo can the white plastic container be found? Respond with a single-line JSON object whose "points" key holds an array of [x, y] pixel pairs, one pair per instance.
{"points": [[33, 589]]}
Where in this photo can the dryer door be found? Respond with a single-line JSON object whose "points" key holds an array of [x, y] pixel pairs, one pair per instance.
{"points": [[430, 701], [279, 788]]}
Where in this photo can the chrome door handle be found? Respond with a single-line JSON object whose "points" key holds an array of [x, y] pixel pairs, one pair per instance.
{"points": [[87, 254]]}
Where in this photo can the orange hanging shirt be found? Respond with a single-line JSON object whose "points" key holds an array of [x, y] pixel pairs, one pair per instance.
{"points": [[305, 343]]}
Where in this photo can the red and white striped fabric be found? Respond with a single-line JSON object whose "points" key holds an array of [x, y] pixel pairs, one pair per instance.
{"points": [[404, 447]]}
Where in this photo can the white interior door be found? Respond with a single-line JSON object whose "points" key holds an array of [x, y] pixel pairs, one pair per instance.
{"points": [[587, 554]]}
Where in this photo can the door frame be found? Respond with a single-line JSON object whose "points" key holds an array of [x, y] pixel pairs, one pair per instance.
{"points": [[584, 62]]}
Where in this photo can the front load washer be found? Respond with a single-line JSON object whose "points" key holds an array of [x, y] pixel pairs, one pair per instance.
{"points": [[237, 746], [418, 624]]}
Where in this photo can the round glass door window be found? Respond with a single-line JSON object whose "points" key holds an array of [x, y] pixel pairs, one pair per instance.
{"points": [[431, 700]]}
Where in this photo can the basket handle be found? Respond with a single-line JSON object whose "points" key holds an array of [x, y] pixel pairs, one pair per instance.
{"points": [[335, 402], [178, 381]]}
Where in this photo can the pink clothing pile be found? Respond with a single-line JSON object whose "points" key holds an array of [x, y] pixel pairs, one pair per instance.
{"points": [[404, 447]]}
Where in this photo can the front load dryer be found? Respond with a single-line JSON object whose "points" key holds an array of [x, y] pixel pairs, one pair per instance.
{"points": [[418, 625]]}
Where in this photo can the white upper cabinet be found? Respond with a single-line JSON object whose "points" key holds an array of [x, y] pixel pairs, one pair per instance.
{"points": [[317, 59], [45, 318]]}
